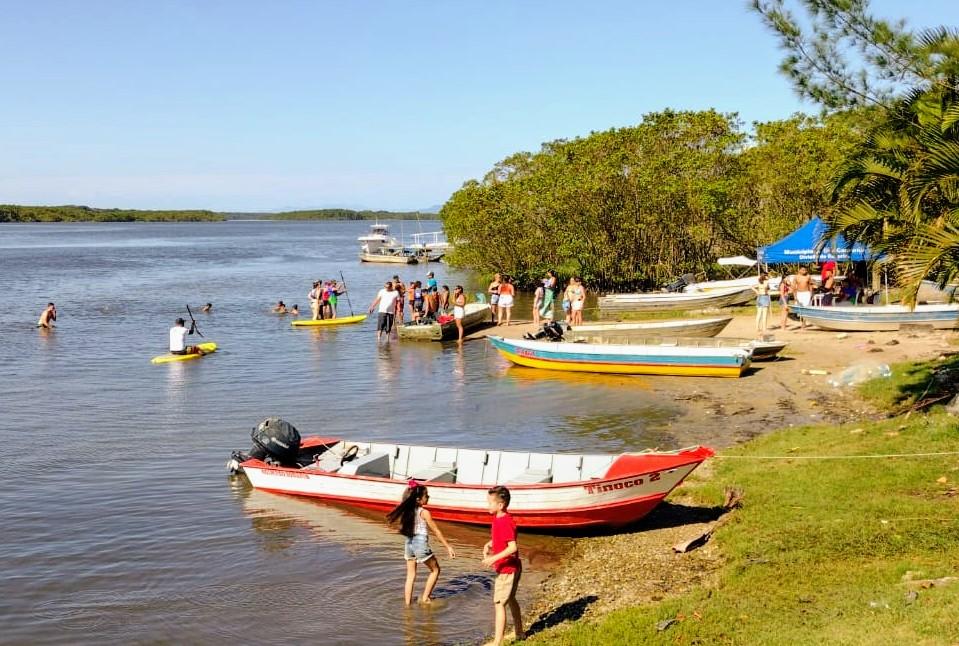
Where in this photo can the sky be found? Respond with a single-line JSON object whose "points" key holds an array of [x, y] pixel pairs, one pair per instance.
{"points": [[260, 106]]}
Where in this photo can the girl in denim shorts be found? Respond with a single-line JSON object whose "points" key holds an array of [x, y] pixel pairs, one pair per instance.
{"points": [[415, 524]]}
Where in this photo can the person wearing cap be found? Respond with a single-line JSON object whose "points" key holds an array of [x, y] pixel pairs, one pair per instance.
{"points": [[431, 285]]}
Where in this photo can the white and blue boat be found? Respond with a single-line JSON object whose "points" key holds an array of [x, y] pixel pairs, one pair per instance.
{"points": [[625, 359], [879, 318]]}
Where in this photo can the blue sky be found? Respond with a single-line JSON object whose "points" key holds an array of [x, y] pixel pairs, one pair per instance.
{"points": [[235, 105]]}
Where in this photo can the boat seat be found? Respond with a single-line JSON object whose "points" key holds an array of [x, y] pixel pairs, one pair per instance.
{"points": [[371, 464], [532, 476], [437, 472]]}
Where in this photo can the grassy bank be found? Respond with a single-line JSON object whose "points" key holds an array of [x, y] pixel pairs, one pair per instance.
{"points": [[831, 549]]}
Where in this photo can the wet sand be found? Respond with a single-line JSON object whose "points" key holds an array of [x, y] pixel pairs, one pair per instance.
{"points": [[779, 393]]}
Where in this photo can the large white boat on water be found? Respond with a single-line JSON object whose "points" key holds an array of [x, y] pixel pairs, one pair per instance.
{"points": [[377, 245]]}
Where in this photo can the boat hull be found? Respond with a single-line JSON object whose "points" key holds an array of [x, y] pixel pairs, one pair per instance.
{"points": [[208, 348], [632, 486], [761, 350], [887, 318], [477, 315], [683, 328], [675, 301], [388, 259], [624, 359]]}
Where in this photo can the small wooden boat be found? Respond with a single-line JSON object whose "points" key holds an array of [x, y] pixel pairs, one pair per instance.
{"points": [[681, 327], [549, 490], [761, 350], [477, 315], [340, 320], [208, 348], [877, 318], [666, 301], [624, 359]]}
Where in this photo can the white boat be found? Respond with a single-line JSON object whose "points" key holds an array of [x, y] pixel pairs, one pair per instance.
{"points": [[877, 318], [549, 490], [431, 246], [666, 301], [377, 237], [624, 359], [394, 255], [760, 350], [929, 292], [682, 327]]}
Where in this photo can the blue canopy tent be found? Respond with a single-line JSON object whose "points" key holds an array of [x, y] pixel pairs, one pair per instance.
{"points": [[799, 247]]}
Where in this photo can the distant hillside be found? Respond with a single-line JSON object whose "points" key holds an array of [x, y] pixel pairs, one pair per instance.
{"points": [[70, 213], [348, 214]]}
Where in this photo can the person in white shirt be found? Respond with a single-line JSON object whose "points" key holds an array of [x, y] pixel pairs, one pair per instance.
{"points": [[386, 300], [178, 334]]}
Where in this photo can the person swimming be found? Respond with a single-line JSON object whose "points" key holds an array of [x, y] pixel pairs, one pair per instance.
{"points": [[295, 311], [279, 308], [206, 309], [48, 316]]}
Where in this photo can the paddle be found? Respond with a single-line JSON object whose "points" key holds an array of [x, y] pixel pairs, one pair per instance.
{"points": [[347, 292], [193, 322]]}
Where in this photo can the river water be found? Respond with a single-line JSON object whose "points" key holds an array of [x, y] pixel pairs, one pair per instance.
{"points": [[119, 521]]}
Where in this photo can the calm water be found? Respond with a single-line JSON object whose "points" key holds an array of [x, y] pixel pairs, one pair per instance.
{"points": [[119, 520]]}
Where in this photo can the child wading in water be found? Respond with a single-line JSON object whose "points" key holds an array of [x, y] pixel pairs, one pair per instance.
{"points": [[415, 524], [502, 554]]}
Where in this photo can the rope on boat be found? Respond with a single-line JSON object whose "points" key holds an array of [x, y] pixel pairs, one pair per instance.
{"points": [[836, 457]]}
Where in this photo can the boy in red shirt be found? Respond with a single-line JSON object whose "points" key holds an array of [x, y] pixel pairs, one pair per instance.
{"points": [[502, 553]]}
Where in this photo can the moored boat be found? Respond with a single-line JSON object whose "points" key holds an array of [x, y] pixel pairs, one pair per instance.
{"points": [[681, 327], [667, 301], [392, 255], [476, 315], [549, 490], [761, 350], [878, 318], [624, 358]]}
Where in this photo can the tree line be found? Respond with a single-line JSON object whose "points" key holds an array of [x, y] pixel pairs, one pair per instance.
{"points": [[631, 208], [70, 213], [15, 213]]}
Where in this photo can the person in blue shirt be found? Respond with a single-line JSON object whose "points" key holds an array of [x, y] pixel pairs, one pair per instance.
{"points": [[431, 284]]}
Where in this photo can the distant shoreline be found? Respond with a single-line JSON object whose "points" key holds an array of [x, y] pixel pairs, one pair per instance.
{"points": [[10, 213]]}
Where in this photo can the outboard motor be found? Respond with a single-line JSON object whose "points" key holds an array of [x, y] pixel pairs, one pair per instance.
{"points": [[275, 441], [552, 331], [680, 283]]}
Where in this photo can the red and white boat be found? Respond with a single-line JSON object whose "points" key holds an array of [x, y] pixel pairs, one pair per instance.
{"points": [[549, 490]]}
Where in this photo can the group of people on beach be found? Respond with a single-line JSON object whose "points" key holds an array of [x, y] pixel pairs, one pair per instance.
{"points": [[502, 292], [415, 523], [801, 288], [428, 303]]}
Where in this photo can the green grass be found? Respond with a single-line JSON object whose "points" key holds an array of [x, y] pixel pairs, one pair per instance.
{"points": [[818, 551], [911, 383]]}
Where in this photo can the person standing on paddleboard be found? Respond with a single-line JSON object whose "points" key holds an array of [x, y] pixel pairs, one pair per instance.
{"points": [[178, 334]]}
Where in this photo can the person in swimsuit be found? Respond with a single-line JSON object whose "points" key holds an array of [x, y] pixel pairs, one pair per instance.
{"points": [[400, 301], [784, 290], [206, 309], [314, 297], [763, 302], [493, 291], [577, 300], [506, 294], [538, 302], [296, 310], [802, 287], [48, 316], [279, 308], [444, 299], [459, 311]]}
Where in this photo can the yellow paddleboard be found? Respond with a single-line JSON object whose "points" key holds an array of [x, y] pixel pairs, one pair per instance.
{"points": [[167, 358], [343, 320]]}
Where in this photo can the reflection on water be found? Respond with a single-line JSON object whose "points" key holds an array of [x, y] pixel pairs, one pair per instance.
{"points": [[118, 517]]}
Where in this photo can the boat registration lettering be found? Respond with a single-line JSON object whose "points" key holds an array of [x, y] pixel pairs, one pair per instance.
{"points": [[622, 484], [523, 352], [283, 473]]}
